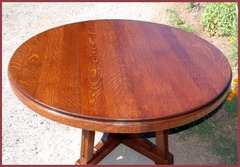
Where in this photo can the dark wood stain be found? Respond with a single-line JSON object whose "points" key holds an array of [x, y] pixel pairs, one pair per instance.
{"points": [[119, 75]]}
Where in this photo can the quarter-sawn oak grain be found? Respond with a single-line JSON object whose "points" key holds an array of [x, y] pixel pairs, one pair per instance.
{"points": [[119, 76]]}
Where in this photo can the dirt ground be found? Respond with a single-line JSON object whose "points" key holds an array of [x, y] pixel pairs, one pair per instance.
{"points": [[28, 138]]}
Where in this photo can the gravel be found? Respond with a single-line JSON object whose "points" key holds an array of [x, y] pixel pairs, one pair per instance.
{"points": [[28, 138]]}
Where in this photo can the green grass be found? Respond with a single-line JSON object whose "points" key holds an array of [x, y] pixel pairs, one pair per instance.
{"points": [[225, 148], [232, 108], [233, 54], [215, 129], [178, 22], [174, 18], [187, 28], [190, 6]]}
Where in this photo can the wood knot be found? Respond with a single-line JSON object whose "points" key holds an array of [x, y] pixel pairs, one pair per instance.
{"points": [[91, 101], [94, 73]]}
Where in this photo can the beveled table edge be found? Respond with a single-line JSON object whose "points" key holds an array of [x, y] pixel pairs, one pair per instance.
{"points": [[111, 119], [118, 126]]}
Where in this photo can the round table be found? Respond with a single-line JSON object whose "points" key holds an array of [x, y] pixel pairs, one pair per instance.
{"points": [[121, 77]]}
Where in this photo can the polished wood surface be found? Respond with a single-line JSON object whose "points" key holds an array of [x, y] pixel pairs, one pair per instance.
{"points": [[119, 76]]}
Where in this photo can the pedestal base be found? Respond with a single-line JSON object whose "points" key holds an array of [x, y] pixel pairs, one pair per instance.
{"points": [[93, 155]]}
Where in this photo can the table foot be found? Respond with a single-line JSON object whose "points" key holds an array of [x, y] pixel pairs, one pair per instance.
{"points": [[93, 155]]}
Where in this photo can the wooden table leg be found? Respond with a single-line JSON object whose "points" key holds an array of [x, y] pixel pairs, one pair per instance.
{"points": [[92, 155], [158, 153], [162, 147], [87, 146]]}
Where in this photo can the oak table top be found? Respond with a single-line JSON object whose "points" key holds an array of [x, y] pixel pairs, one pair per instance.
{"points": [[122, 77]]}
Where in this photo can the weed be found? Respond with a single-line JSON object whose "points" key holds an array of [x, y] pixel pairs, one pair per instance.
{"points": [[191, 5], [187, 28], [220, 18], [176, 21]]}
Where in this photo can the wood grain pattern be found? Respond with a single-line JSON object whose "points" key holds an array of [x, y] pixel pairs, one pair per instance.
{"points": [[119, 76]]}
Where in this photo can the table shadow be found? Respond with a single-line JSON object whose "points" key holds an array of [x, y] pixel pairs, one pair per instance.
{"points": [[184, 127]]}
